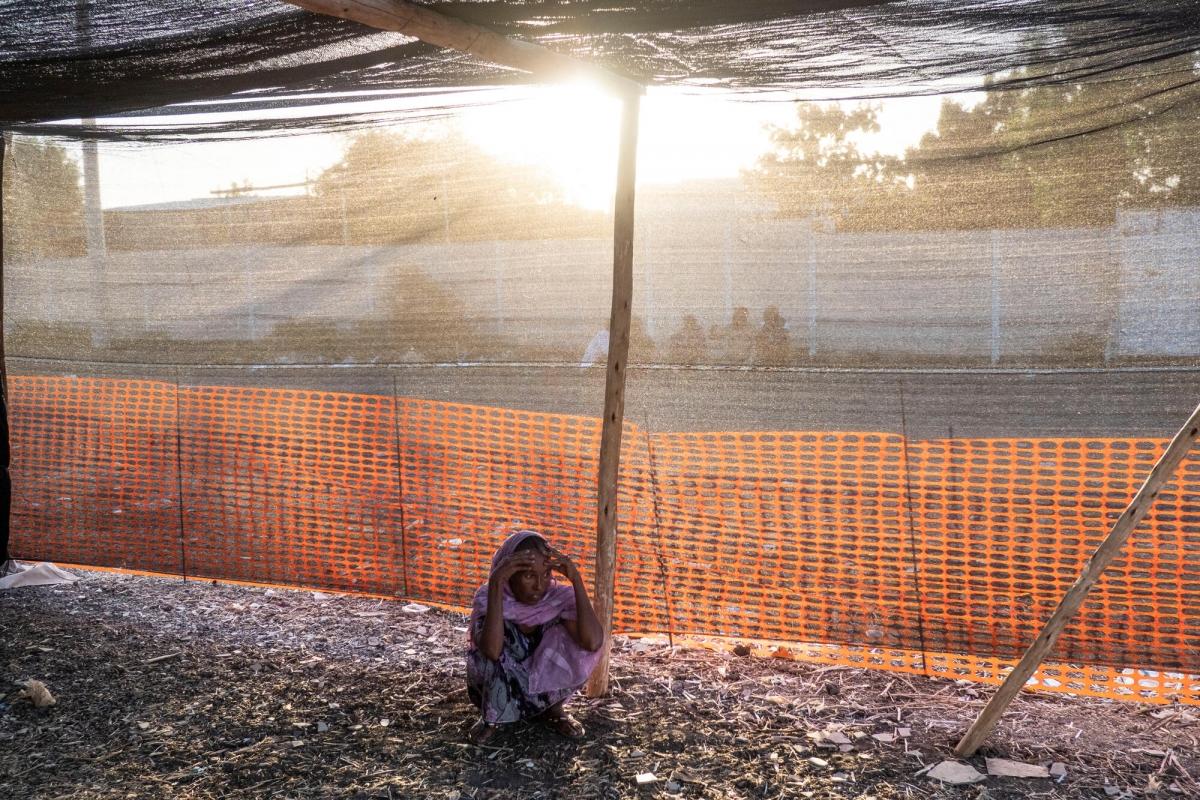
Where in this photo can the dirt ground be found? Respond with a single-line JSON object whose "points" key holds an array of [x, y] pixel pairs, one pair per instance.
{"points": [[173, 689]]}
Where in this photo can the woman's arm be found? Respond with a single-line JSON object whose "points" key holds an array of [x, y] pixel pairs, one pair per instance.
{"points": [[491, 643], [587, 631]]}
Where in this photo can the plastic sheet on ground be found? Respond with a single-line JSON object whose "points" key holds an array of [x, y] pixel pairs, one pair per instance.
{"points": [[43, 574]]}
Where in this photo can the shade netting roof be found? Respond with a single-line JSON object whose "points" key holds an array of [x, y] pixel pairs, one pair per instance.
{"points": [[64, 59]]}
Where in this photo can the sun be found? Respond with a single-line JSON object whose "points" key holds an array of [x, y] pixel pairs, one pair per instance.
{"points": [[571, 131], [568, 130]]}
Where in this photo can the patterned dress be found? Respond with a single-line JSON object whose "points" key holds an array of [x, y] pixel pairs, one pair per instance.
{"points": [[501, 688]]}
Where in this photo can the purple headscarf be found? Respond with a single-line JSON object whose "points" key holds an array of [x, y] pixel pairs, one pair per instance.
{"points": [[559, 662]]}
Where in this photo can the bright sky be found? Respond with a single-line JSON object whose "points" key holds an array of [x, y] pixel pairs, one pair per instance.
{"points": [[570, 130]]}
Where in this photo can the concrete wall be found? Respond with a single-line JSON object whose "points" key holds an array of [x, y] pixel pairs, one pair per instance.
{"points": [[985, 297]]}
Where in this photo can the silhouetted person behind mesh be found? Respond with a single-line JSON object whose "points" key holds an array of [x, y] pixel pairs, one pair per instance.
{"points": [[771, 345], [688, 344], [734, 343]]}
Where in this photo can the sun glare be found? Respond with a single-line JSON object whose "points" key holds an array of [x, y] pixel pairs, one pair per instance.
{"points": [[572, 131], [569, 131]]}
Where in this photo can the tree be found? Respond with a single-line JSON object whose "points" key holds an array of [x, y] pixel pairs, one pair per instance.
{"points": [[391, 188], [1065, 155], [1163, 151], [1059, 155], [43, 201], [817, 168]]}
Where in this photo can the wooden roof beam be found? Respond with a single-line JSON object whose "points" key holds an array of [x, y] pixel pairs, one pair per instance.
{"points": [[439, 29]]}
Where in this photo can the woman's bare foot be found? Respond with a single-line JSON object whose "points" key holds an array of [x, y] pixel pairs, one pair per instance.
{"points": [[482, 732], [562, 723]]}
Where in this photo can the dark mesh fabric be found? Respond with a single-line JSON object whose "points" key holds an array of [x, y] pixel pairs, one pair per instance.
{"points": [[129, 54]]}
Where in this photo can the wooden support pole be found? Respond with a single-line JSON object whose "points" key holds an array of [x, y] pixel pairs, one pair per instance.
{"points": [[1108, 550], [614, 387], [439, 29], [5, 476]]}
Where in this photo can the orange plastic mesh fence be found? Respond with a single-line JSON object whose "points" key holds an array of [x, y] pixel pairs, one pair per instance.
{"points": [[1006, 526], [941, 557], [94, 472], [291, 487], [472, 474], [798, 536]]}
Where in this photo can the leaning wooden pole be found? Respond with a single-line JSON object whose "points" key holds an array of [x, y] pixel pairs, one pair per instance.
{"points": [[1108, 550], [614, 386]]}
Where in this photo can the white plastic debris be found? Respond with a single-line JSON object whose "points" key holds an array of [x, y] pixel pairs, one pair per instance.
{"points": [[38, 694], [1015, 769], [956, 773], [43, 574]]}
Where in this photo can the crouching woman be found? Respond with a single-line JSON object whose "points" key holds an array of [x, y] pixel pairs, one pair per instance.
{"points": [[533, 641]]}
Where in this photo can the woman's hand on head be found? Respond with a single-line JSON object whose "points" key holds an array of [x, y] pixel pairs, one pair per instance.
{"points": [[561, 563], [510, 566]]}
